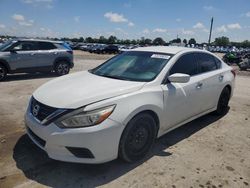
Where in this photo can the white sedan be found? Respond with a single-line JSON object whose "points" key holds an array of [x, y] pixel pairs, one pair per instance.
{"points": [[119, 108]]}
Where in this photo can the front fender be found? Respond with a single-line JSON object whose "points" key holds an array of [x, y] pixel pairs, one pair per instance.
{"points": [[129, 105]]}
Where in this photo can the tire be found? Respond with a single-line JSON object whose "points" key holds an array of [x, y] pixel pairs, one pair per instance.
{"points": [[62, 68], [3, 72], [222, 105], [137, 138]]}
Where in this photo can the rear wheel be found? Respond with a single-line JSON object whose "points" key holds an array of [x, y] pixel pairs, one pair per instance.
{"points": [[222, 105], [62, 68], [137, 138], [3, 72]]}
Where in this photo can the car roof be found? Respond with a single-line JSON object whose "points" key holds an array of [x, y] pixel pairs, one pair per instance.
{"points": [[166, 49], [39, 40]]}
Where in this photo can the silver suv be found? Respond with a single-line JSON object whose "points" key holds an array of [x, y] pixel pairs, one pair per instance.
{"points": [[32, 55]]}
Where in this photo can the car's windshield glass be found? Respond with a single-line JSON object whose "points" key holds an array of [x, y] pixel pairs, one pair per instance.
{"points": [[133, 66], [6, 45]]}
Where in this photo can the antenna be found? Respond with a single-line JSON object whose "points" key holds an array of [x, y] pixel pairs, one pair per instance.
{"points": [[210, 33]]}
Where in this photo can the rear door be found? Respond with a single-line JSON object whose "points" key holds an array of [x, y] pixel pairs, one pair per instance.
{"points": [[212, 77], [47, 53]]}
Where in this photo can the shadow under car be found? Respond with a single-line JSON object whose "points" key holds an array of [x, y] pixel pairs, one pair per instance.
{"points": [[36, 165]]}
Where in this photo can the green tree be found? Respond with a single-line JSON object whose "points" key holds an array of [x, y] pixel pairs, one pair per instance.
{"points": [[102, 40], [221, 41], [192, 41], [184, 41], [89, 40], [134, 42], [127, 41], [81, 39], [158, 41], [75, 40], [148, 41], [178, 40], [112, 39], [245, 44]]}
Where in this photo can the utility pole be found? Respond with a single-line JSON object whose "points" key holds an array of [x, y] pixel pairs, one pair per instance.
{"points": [[210, 33]]}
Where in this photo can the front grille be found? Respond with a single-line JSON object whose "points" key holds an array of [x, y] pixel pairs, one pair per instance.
{"points": [[40, 111], [36, 138]]}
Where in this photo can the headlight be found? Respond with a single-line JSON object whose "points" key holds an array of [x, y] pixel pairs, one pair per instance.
{"points": [[81, 118]]}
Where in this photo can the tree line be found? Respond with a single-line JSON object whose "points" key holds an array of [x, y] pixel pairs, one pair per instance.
{"points": [[224, 41], [220, 41], [114, 40]]}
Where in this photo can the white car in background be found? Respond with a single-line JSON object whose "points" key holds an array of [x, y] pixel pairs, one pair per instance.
{"points": [[119, 108]]}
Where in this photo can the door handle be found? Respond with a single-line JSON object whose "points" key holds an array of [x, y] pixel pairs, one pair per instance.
{"points": [[32, 54], [199, 85], [221, 77]]}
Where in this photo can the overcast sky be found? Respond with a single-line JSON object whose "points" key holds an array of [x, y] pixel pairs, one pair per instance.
{"points": [[126, 19]]}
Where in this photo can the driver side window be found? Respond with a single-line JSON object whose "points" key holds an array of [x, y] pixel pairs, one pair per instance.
{"points": [[24, 46], [186, 64]]}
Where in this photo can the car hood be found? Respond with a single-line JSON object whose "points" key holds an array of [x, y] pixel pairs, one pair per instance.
{"points": [[82, 88]]}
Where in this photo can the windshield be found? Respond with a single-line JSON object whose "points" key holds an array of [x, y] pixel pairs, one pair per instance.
{"points": [[6, 45], [133, 66]]}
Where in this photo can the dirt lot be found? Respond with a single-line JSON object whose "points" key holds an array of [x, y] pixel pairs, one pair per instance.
{"points": [[208, 152]]}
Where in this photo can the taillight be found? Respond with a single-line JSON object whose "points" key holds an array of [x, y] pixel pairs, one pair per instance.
{"points": [[234, 72], [70, 51]]}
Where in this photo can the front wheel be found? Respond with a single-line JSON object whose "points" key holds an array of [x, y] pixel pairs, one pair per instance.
{"points": [[137, 138], [3, 72], [222, 105], [62, 68]]}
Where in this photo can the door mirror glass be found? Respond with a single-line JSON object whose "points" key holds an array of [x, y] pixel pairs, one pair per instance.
{"points": [[179, 78]]}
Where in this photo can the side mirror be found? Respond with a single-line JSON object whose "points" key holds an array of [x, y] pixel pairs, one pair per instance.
{"points": [[179, 78]]}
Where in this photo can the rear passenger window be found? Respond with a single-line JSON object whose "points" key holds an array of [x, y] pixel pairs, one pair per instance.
{"points": [[186, 64], [46, 46], [218, 62], [206, 62]]}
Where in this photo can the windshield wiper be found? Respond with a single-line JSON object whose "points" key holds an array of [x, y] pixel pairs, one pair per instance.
{"points": [[115, 77]]}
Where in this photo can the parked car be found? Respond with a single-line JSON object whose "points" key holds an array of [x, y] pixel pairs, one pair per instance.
{"points": [[108, 49], [83, 47], [119, 108], [98, 48], [244, 64], [32, 55], [76, 46]]}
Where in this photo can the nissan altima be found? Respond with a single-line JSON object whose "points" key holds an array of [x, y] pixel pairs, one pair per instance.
{"points": [[121, 107]]}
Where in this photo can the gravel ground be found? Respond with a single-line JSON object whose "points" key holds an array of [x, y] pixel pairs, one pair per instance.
{"points": [[208, 152]]}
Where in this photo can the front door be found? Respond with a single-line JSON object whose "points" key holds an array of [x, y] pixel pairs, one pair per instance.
{"points": [[182, 100], [23, 55]]}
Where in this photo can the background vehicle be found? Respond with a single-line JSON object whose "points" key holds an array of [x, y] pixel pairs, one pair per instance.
{"points": [[32, 55], [231, 57], [109, 49], [245, 63], [120, 107]]}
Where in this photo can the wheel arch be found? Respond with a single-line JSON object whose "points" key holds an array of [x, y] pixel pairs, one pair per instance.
{"points": [[5, 64], [60, 59], [149, 111], [155, 116], [229, 88]]}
